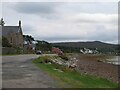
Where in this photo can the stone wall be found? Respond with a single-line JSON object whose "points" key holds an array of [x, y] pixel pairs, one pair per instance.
{"points": [[15, 39], [7, 50]]}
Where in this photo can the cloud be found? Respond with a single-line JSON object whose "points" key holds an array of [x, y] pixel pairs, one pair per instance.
{"points": [[64, 22], [46, 10], [35, 8], [27, 29], [60, 1], [93, 18], [79, 27]]}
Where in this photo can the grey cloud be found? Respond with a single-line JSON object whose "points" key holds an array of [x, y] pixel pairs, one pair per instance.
{"points": [[59, 38], [106, 37], [50, 10], [100, 34], [27, 29], [96, 7], [35, 7], [85, 21]]}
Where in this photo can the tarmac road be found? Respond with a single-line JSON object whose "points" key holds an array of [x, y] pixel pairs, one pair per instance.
{"points": [[19, 72]]}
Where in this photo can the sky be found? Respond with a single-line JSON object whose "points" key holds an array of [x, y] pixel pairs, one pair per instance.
{"points": [[65, 21]]}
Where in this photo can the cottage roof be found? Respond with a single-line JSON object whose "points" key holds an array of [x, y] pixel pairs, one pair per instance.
{"points": [[10, 29]]}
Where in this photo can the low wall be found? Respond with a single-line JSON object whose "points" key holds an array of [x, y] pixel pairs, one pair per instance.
{"points": [[10, 50], [7, 50]]}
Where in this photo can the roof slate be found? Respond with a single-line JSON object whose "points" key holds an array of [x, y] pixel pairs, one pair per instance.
{"points": [[9, 29]]}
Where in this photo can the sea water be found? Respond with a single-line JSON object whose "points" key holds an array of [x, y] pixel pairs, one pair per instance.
{"points": [[114, 60]]}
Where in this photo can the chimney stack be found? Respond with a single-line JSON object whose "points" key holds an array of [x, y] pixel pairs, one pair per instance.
{"points": [[19, 23]]}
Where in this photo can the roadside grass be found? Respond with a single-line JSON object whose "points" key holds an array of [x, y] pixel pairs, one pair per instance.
{"points": [[71, 78]]}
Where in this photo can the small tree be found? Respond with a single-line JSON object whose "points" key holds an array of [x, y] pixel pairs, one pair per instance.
{"points": [[2, 22], [43, 46], [28, 38], [5, 42]]}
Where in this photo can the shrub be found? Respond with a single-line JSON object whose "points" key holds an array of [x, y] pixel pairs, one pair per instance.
{"points": [[46, 59], [56, 66], [64, 57], [66, 69], [38, 60]]}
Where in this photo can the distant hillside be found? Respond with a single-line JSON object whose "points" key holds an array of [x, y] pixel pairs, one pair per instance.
{"points": [[75, 46], [95, 44]]}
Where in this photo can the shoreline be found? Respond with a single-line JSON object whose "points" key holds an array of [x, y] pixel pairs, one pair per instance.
{"points": [[90, 65]]}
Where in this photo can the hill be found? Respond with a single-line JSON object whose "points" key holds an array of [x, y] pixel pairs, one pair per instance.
{"points": [[76, 46]]}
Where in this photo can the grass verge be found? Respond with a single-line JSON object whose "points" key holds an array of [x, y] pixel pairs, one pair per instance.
{"points": [[73, 79]]}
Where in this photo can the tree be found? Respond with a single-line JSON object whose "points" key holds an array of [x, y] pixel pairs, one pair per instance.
{"points": [[5, 42], [28, 38], [2, 22], [43, 46]]}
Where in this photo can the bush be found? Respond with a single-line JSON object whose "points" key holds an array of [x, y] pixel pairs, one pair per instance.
{"points": [[46, 59], [38, 60], [66, 69], [56, 65], [5, 42], [64, 57]]}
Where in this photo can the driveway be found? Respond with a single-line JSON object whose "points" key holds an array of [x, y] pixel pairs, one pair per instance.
{"points": [[19, 72]]}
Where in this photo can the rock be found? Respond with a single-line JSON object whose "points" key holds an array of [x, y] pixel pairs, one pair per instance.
{"points": [[49, 63], [99, 60], [73, 65]]}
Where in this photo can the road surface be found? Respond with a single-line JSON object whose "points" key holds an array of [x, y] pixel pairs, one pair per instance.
{"points": [[19, 72]]}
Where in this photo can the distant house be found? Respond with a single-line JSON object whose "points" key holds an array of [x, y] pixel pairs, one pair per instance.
{"points": [[89, 51], [29, 46], [14, 34]]}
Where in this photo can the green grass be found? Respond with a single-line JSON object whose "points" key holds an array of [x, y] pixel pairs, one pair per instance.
{"points": [[73, 79]]}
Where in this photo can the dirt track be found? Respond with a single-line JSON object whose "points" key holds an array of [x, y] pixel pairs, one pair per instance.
{"points": [[19, 72]]}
